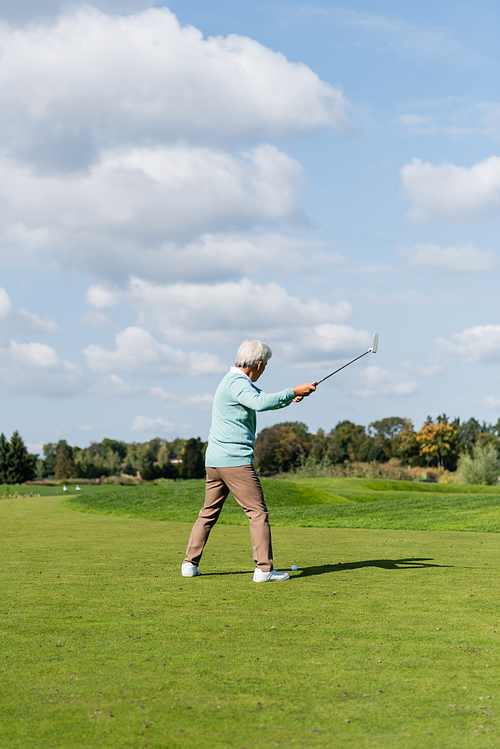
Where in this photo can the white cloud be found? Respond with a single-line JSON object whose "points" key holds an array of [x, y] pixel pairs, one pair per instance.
{"points": [[112, 385], [94, 220], [127, 135], [85, 428], [30, 10], [145, 424], [88, 79], [322, 344], [450, 193], [464, 259], [491, 403], [36, 368], [169, 400], [376, 381], [162, 395], [224, 312], [37, 356], [102, 297], [5, 304], [478, 344], [137, 352], [32, 323], [20, 319], [208, 258]]}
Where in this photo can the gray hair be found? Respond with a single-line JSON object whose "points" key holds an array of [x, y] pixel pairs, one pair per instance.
{"points": [[250, 353]]}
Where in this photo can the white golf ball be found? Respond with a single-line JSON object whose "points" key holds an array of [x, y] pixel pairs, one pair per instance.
{"points": [[294, 567]]}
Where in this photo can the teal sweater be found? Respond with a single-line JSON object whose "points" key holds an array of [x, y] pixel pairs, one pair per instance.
{"points": [[232, 434]]}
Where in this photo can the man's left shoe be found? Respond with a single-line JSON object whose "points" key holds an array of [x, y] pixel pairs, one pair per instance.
{"points": [[189, 570], [259, 576]]}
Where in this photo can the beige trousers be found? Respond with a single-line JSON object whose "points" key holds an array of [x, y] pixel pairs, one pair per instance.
{"points": [[244, 484]]}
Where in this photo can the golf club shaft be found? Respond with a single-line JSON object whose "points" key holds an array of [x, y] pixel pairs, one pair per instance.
{"points": [[345, 365]]}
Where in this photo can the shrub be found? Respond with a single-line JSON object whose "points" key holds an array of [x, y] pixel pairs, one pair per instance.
{"points": [[447, 477], [122, 480], [373, 470], [482, 467]]}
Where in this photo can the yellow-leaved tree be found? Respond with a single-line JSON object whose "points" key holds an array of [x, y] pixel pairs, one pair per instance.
{"points": [[438, 441]]}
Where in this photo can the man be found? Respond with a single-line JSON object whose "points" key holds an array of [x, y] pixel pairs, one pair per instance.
{"points": [[229, 458]]}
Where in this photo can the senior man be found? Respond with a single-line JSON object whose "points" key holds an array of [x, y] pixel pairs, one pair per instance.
{"points": [[229, 458]]}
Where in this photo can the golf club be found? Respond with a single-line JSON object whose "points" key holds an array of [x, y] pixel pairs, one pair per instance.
{"points": [[372, 350]]}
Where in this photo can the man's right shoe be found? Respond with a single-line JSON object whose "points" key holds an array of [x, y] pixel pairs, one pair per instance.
{"points": [[189, 570], [259, 576]]}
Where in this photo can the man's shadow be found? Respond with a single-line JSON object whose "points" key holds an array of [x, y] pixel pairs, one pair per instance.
{"points": [[385, 564]]}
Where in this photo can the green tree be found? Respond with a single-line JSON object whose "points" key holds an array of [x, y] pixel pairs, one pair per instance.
{"points": [[40, 471], [118, 447], [406, 446], [88, 462], [297, 427], [65, 466], [4, 458], [144, 458], [388, 428], [112, 462], [468, 434], [168, 470], [372, 450], [277, 449], [193, 465], [50, 452], [20, 466], [349, 437], [176, 447], [131, 459], [385, 433]]}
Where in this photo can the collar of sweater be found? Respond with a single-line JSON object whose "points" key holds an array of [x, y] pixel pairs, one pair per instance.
{"points": [[237, 370]]}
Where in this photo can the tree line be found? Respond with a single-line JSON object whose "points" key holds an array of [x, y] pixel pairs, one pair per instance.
{"points": [[283, 447], [440, 442], [157, 458]]}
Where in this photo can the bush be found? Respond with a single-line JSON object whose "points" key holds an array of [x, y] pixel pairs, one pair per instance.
{"points": [[122, 480], [448, 477], [373, 470], [482, 467]]}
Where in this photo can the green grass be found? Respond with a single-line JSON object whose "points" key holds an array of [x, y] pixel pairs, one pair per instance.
{"points": [[330, 503], [381, 639]]}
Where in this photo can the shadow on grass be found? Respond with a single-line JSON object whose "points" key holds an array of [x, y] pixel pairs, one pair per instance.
{"points": [[385, 564]]}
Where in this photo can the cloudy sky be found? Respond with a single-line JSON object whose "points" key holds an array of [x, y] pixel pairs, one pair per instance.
{"points": [[176, 178]]}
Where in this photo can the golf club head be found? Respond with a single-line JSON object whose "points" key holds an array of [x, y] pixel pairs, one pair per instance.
{"points": [[374, 347]]}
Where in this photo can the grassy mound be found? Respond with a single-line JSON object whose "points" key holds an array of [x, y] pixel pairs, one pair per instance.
{"points": [[333, 503]]}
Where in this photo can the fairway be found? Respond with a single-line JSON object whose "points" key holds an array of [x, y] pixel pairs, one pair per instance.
{"points": [[381, 639]]}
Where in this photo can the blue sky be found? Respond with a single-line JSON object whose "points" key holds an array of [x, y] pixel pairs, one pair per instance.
{"points": [[176, 178]]}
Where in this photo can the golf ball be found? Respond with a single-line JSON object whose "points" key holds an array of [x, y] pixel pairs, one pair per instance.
{"points": [[294, 567]]}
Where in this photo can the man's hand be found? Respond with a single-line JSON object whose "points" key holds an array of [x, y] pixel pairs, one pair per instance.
{"points": [[302, 391]]}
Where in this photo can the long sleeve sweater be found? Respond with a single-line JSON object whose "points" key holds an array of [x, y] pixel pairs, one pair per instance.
{"points": [[232, 434]]}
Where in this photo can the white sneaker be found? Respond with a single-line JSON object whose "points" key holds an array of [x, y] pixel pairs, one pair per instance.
{"points": [[189, 570], [259, 576]]}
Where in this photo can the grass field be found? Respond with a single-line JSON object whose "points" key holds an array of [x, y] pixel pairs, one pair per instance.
{"points": [[383, 638]]}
